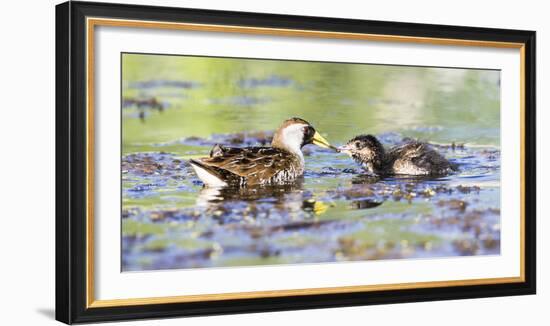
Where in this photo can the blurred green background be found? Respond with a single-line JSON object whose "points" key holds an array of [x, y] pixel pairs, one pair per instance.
{"points": [[226, 95]]}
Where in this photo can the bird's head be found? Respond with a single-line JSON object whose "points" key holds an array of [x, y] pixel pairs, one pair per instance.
{"points": [[363, 148], [295, 133]]}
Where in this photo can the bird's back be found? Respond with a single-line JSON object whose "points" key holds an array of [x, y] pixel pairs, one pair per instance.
{"points": [[254, 165], [418, 158]]}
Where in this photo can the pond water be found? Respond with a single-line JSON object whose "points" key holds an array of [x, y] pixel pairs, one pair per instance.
{"points": [[177, 107]]}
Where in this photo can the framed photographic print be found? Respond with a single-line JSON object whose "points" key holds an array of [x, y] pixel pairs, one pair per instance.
{"points": [[215, 162]]}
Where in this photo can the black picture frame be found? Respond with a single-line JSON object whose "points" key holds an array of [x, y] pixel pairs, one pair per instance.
{"points": [[71, 158]]}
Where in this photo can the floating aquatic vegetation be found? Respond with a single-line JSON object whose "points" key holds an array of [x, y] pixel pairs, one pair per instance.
{"points": [[252, 138], [334, 213], [151, 163], [141, 107], [143, 103]]}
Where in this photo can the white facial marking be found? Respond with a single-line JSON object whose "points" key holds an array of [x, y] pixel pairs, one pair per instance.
{"points": [[293, 136]]}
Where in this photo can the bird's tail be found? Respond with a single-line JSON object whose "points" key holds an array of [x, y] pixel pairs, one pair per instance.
{"points": [[211, 176]]}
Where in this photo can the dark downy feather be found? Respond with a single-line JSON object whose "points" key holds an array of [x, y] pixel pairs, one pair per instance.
{"points": [[413, 157]]}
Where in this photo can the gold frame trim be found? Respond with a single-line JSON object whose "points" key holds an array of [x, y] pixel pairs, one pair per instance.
{"points": [[92, 22]]}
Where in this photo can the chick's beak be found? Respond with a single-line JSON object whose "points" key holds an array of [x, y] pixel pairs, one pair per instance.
{"points": [[322, 142], [344, 149]]}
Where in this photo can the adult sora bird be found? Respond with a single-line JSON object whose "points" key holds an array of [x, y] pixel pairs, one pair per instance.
{"points": [[411, 158], [247, 166]]}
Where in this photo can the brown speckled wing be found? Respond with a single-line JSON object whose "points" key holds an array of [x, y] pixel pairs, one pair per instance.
{"points": [[255, 164]]}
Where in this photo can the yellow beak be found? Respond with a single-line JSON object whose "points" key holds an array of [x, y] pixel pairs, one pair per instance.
{"points": [[322, 142]]}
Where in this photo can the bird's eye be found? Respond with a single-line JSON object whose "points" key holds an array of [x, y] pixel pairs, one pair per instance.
{"points": [[308, 131], [357, 144]]}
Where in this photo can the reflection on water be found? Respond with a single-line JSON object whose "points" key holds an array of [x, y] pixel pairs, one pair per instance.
{"points": [[335, 213]]}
